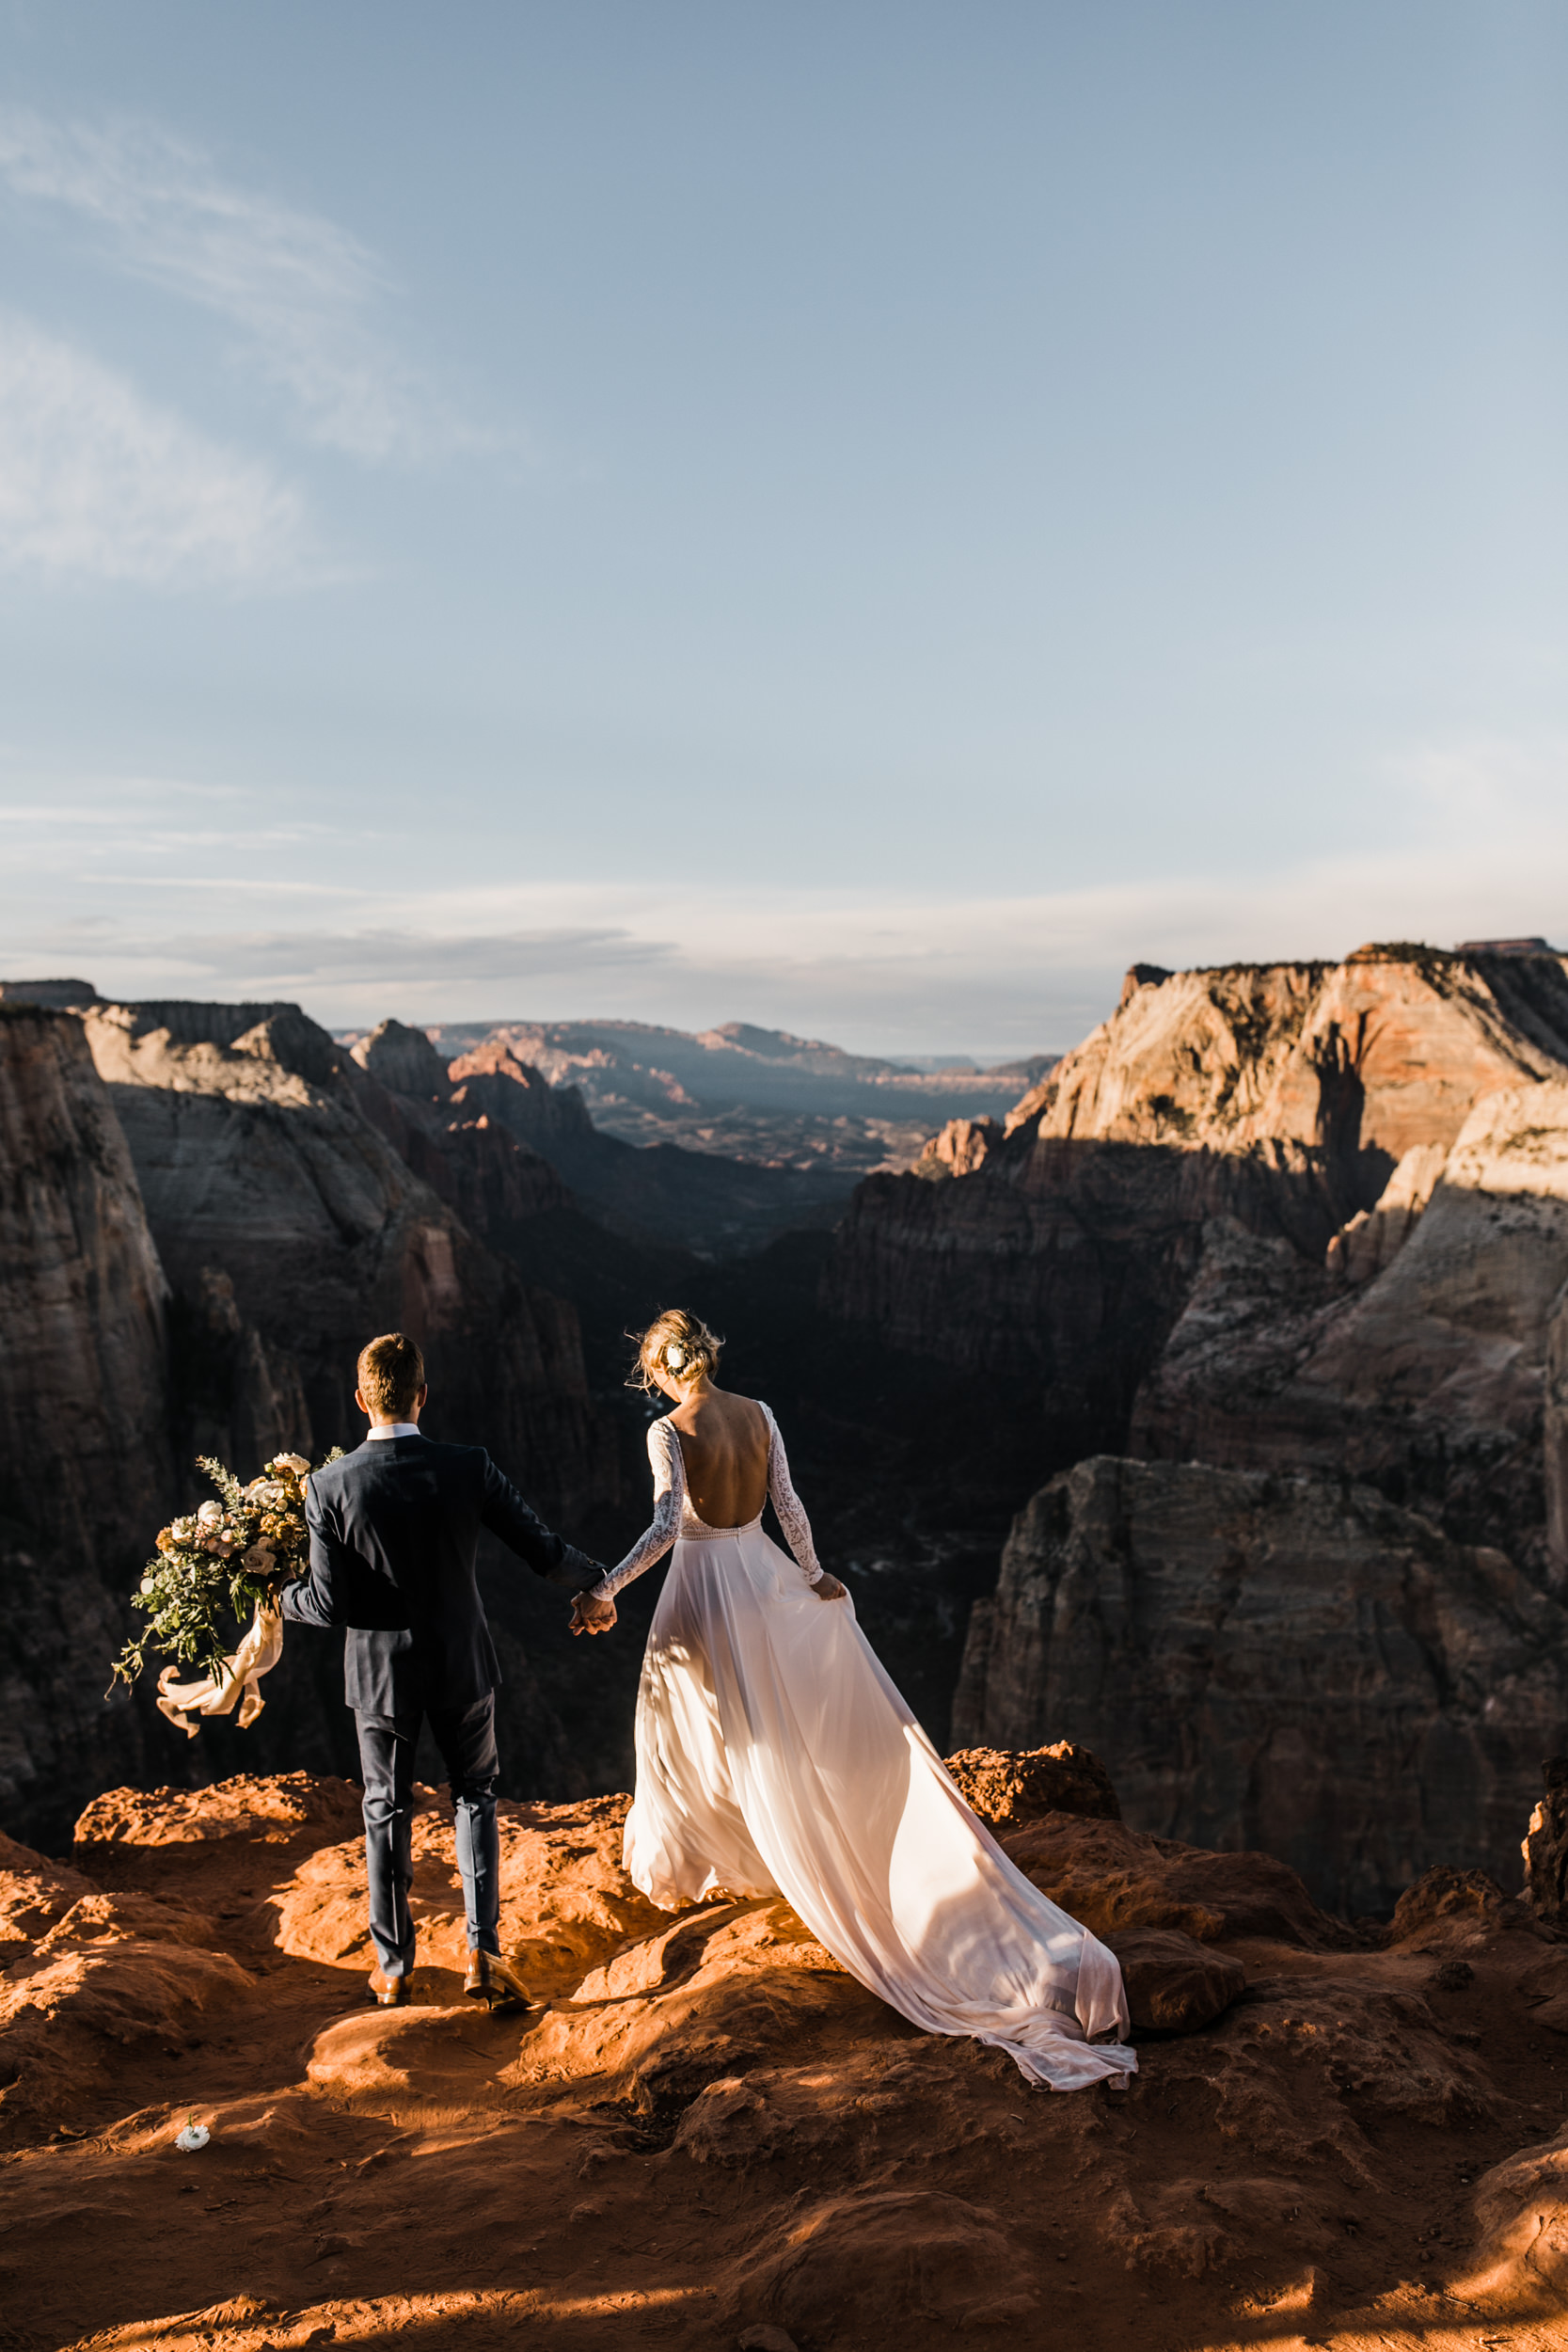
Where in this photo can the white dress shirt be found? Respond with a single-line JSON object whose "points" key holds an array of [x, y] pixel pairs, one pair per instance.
{"points": [[395, 1429]]}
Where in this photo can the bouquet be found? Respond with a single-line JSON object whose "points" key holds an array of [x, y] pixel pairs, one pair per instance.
{"points": [[226, 1557]]}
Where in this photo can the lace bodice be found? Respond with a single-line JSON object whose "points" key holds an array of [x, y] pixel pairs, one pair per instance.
{"points": [[673, 1515]]}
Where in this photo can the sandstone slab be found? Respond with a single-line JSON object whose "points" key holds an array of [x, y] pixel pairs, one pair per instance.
{"points": [[1007, 1787], [1174, 1983], [1520, 2264], [1114, 1879], [711, 2133]]}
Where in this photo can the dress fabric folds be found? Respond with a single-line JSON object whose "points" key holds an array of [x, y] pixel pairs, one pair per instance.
{"points": [[774, 1755]]}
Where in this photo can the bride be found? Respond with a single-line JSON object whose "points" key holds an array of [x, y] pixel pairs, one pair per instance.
{"points": [[775, 1756]]}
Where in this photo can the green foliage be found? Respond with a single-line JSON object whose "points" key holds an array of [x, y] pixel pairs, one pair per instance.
{"points": [[219, 1563]]}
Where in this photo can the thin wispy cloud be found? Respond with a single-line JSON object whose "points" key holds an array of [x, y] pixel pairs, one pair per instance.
{"points": [[98, 482], [880, 969], [301, 291]]}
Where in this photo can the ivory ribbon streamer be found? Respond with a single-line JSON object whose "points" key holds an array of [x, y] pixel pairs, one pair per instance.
{"points": [[216, 1694]]}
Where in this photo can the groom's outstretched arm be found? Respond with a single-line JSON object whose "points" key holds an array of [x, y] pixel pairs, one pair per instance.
{"points": [[313, 1599], [522, 1531]]}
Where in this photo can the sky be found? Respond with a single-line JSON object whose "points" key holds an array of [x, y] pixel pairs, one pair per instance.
{"points": [[865, 518]]}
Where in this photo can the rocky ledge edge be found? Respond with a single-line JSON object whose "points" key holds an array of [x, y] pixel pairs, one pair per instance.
{"points": [[708, 2135]]}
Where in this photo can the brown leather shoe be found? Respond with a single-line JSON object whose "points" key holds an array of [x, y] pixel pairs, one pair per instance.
{"points": [[490, 1979], [390, 1992]]}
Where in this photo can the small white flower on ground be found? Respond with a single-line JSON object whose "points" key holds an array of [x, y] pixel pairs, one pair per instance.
{"points": [[194, 2136]]}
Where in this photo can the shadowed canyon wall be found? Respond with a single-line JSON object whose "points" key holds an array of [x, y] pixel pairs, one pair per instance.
{"points": [[84, 1461], [1277, 1660]]}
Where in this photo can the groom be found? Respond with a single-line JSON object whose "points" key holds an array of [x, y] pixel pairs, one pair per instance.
{"points": [[394, 1529]]}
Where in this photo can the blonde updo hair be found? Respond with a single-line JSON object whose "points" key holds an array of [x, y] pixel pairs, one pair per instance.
{"points": [[677, 1343]]}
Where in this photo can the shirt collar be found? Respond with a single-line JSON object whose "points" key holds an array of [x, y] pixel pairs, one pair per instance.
{"points": [[395, 1429]]}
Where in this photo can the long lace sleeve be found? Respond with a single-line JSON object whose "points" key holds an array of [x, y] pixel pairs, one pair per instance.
{"points": [[664, 1454], [787, 1503]]}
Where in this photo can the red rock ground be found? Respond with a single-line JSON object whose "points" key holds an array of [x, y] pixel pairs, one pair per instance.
{"points": [[710, 2133]]}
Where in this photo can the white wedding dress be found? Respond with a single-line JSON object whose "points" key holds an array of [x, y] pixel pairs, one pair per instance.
{"points": [[775, 1756]]}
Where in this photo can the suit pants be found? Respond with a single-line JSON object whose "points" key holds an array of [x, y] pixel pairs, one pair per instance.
{"points": [[466, 1737]]}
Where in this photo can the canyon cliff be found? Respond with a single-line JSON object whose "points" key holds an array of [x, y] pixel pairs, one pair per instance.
{"points": [[206, 1219], [658, 1191], [86, 1466], [1282, 1661], [1264, 1214], [1299, 1219], [268, 1189], [744, 1093], [1417, 1355]]}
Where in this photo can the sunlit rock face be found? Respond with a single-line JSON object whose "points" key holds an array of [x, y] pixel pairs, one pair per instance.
{"points": [[1283, 1662], [498, 1184], [269, 1188], [1264, 1213], [402, 1059], [84, 1463], [705, 2134]]}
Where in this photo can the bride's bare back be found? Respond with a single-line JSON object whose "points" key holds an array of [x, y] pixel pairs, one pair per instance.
{"points": [[730, 1461], [724, 1447]]}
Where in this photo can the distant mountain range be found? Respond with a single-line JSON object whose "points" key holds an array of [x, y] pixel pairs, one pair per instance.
{"points": [[747, 1093]]}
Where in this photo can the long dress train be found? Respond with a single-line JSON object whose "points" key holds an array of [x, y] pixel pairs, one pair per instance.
{"points": [[774, 1755]]}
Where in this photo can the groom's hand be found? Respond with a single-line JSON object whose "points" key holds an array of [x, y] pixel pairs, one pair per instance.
{"points": [[591, 1615]]}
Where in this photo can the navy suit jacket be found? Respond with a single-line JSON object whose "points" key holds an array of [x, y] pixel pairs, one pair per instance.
{"points": [[394, 1532]]}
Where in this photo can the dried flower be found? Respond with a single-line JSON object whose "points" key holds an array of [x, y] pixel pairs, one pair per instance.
{"points": [[224, 1558]]}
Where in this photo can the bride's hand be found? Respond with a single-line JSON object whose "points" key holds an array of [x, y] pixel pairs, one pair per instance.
{"points": [[828, 1588], [589, 1616]]}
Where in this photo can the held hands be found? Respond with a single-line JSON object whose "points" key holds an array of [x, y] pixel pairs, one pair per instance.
{"points": [[828, 1588], [589, 1616]]}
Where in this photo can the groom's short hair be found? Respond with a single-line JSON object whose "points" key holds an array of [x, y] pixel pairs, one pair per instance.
{"points": [[390, 1376]]}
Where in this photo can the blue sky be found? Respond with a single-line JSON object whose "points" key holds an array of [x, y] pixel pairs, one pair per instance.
{"points": [[862, 518]]}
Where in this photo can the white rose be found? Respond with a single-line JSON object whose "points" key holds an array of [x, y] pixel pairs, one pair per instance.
{"points": [[211, 1515], [295, 1462]]}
